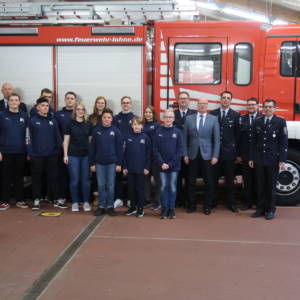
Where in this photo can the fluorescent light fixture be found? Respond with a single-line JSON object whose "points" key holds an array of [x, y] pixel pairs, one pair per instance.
{"points": [[279, 22], [19, 31], [207, 5], [244, 14], [113, 30]]}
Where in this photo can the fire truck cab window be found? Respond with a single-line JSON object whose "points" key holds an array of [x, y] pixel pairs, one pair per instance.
{"points": [[288, 52], [198, 63], [242, 64]]}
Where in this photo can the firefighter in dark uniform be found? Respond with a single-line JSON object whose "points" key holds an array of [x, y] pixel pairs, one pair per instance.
{"points": [[180, 114], [246, 135], [268, 154], [229, 131]]}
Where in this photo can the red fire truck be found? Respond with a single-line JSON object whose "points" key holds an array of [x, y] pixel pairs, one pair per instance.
{"points": [[203, 58]]}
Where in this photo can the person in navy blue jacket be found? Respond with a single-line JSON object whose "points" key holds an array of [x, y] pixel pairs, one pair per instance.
{"points": [[13, 126], [46, 93], [123, 122], [245, 140], [44, 145], [136, 166], [63, 118], [268, 154], [168, 151], [150, 125], [105, 158]]}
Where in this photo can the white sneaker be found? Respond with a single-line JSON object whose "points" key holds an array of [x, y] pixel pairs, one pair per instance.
{"points": [[128, 203], [118, 203], [75, 207], [86, 206]]}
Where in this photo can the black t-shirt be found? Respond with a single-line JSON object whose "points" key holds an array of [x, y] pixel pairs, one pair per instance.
{"points": [[79, 137]]}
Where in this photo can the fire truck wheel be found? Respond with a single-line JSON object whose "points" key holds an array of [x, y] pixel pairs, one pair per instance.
{"points": [[288, 184]]}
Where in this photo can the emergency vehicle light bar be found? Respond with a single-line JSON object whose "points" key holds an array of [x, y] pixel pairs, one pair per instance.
{"points": [[19, 31], [113, 30]]}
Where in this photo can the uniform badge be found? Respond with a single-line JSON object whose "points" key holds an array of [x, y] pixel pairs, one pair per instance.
{"points": [[174, 135], [152, 127], [98, 132], [112, 133], [160, 135], [129, 140], [51, 123], [7, 118], [21, 119], [142, 141], [37, 123]]}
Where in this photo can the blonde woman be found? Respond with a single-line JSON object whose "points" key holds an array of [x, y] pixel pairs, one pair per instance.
{"points": [[76, 145]]}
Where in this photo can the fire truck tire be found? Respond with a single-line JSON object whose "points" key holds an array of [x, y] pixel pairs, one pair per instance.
{"points": [[288, 184]]}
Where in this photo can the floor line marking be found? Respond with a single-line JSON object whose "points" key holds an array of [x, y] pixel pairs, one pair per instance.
{"points": [[41, 284], [196, 240]]}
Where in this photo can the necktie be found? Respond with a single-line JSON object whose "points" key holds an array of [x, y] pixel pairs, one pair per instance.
{"points": [[223, 115], [251, 120], [183, 114], [267, 122], [201, 122]]}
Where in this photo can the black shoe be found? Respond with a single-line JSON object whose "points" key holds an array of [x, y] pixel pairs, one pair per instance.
{"points": [[233, 208], [257, 214], [190, 210], [172, 214], [111, 212], [164, 214], [246, 207], [270, 215], [130, 211], [207, 211], [139, 213], [99, 212]]}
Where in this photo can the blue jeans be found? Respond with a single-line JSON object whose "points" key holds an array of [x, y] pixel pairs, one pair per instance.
{"points": [[168, 189], [106, 175], [79, 171]]}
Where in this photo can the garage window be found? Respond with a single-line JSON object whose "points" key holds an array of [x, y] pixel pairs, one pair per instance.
{"points": [[198, 63], [288, 55]]}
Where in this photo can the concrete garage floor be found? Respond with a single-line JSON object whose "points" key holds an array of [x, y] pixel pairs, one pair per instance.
{"points": [[221, 256]]}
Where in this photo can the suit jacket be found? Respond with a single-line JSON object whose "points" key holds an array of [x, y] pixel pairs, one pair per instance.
{"points": [[270, 143], [229, 131], [21, 108], [246, 136], [179, 121], [206, 139]]}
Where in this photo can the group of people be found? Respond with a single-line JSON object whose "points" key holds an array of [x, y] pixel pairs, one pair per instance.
{"points": [[69, 150]]}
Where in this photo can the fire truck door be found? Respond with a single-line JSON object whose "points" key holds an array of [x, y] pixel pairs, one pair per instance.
{"points": [[197, 65], [297, 88]]}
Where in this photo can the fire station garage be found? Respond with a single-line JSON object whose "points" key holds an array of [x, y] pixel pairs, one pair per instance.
{"points": [[150, 149]]}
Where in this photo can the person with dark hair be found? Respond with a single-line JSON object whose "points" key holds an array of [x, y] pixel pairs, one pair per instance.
{"points": [[123, 122], [63, 118], [136, 166], [229, 131], [106, 150], [13, 126], [246, 135], [46, 93], [168, 152], [268, 154], [7, 89], [43, 148], [181, 113], [76, 145], [150, 125]]}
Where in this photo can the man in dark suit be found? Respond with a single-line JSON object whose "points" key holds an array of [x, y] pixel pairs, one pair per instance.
{"points": [[229, 135], [268, 154], [180, 114], [245, 140], [201, 135], [7, 89]]}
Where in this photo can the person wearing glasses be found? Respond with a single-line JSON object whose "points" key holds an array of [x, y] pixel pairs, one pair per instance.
{"points": [[201, 135], [77, 136], [123, 122], [268, 154], [229, 135], [168, 152], [246, 135], [46, 93], [183, 99]]}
